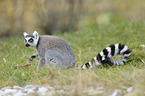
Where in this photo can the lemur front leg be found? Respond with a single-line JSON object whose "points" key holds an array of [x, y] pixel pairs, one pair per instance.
{"points": [[41, 63], [33, 56]]}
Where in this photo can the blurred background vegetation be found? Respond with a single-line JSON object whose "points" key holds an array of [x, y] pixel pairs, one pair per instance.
{"points": [[58, 16]]}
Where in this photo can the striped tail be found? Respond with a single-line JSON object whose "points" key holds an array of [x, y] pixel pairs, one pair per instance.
{"points": [[104, 57]]}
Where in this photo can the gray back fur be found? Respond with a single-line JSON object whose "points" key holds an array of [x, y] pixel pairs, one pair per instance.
{"points": [[56, 52]]}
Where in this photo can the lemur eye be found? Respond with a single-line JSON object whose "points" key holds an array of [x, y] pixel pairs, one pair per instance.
{"points": [[31, 40]]}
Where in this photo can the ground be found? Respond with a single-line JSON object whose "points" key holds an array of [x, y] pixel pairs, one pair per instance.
{"points": [[86, 43]]}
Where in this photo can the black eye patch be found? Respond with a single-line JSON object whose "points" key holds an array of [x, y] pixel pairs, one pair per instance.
{"points": [[25, 40], [31, 40]]}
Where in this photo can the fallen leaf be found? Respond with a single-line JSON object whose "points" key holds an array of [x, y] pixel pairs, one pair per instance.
{"points": [[4, 61], [26, 65], [16, 67], [135, 65]]}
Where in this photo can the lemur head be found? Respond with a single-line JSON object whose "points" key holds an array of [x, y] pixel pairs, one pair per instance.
{"points": [[31, 39]]}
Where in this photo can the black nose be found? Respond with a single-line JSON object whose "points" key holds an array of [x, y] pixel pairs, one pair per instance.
{"points": [[27, 45]]}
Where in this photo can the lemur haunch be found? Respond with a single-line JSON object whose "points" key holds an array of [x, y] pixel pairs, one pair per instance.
{"points": [[51, 50], [55, 51]]}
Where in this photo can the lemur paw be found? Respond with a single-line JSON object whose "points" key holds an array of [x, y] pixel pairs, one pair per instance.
{"points": [[30, 58]]}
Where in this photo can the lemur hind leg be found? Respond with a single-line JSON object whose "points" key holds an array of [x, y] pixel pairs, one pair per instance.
{"points": [[55, 59]]}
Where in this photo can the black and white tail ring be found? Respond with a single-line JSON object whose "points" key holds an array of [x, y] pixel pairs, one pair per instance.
{"points": [[104, 57]]}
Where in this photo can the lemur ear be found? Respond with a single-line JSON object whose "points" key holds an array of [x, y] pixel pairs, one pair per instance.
{"points": [[35, 34], [25, 34]]}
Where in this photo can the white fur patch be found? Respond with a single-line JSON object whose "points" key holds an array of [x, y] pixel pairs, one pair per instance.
{"points": [[35, 34], [25, 34], [27, 38], [102, 54], [109, 52], [116, 49], [90, 64], [124, 49], [84, 67], [96, 61], [126, 55], [36, 41]]}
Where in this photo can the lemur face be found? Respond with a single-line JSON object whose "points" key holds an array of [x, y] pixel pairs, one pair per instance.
{"points": [[31, 39]]}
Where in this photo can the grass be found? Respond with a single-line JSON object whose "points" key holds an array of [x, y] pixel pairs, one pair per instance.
{"points": [[86, 43]]}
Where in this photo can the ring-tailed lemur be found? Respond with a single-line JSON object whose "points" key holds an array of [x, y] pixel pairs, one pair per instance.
{"points": [[104, 57], [51, 50]]}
